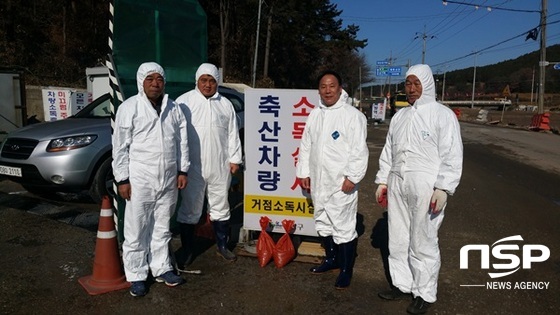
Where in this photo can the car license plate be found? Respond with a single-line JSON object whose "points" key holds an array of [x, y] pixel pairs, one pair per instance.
{"points": [[10, 171]]}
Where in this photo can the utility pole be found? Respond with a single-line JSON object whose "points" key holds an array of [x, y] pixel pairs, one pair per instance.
{"points": [[389, 77], [473, 82], [542, 63], [424, 37], [443, 90], [532, 85], [436, 78], [257, 44], [443, 85], [360, 93], [267, 46]]}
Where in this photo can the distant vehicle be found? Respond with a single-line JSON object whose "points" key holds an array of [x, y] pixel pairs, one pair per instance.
{"points": [[73, 154], [400, 101], [378, 99]]}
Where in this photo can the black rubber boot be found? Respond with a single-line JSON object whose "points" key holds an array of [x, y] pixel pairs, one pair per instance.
{"points": [[418, 306], [185, 255], [331, 260], [347, 256], [394, 294], [221, 228]]}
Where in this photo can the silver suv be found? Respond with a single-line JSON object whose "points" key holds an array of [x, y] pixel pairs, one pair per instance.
{"points": [[69, 155], [73, 154]]}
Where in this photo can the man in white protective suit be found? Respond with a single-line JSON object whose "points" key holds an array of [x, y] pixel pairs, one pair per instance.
{"points": [[150, 164], [421, 163], [333, 159], [215, 151]]}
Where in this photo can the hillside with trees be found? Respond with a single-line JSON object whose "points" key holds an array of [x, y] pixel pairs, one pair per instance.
{"points": [[521, 75], [51, 41]]}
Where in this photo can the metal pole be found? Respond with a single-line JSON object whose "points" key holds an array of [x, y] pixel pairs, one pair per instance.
{"points": [[532, 85], [389, 77], [542, 63], [257, 44], [443, 90], [360, 96], [436, 77], [473, 82]]}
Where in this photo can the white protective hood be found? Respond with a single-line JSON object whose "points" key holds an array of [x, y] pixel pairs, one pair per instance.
{"points": [[424, 74], [145, 70]]}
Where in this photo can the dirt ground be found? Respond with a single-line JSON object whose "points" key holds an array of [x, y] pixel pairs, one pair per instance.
{"points": [[41, 259]]}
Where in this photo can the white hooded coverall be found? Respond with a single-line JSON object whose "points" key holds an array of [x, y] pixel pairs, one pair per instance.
{"points": [[149, 150], [213, 144], [423, 151], [333, 147]]}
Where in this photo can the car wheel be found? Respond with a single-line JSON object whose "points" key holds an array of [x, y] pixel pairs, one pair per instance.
{"points": [[103, 174]]}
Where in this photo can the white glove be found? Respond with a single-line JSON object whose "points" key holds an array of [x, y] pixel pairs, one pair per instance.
{"points": [[439, 200], [380, 193]]}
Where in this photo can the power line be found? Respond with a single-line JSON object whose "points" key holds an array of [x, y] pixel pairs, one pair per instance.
{"points": [[481, 50], [452, 19], [450, 24], [457, 32], [489, 8], [444, 23], [392, 19], [490, 47]]}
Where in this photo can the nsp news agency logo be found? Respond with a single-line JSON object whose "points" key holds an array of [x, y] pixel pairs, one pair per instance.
{"points": [[511, 258]]}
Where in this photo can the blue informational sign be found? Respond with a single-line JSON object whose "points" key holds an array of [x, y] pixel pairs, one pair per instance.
{"points": [[557, 66], [382, 62], [388, 71]]}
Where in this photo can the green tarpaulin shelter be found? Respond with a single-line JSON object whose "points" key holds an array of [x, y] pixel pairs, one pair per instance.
{"points": [[172, 33]]}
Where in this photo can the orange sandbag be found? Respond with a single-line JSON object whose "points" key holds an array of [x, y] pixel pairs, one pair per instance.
{"points": [[205, 229], [265, 244], [284, 251]]}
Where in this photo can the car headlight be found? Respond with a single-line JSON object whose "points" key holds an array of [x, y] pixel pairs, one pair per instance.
{"points": [[70, 143]]}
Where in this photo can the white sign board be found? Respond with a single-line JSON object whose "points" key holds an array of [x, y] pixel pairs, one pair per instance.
{"points": [[79, 100], [275, 120], [378, 110], [97, 82], [59, 103]]}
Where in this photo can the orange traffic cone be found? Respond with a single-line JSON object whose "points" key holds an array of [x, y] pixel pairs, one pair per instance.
{"points": [[545, 122], [108, 274]]}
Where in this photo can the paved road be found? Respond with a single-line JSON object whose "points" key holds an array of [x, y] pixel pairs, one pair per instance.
{"points": [[538, 149], [509, 187]]}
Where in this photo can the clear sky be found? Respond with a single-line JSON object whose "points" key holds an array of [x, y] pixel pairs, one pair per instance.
{"points": [[452, 33]]}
